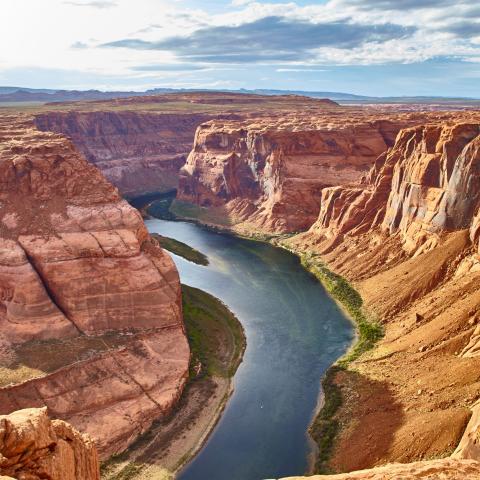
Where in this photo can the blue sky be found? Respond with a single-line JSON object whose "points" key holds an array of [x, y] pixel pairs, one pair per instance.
{"points": [[370, 47]]}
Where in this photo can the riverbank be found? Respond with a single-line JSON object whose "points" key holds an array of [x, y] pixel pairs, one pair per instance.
{"points": [[181, 249], [326, 424], [217, 343]]}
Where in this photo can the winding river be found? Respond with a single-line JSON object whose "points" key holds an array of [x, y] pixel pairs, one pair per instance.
{"points": [[294, 330]]}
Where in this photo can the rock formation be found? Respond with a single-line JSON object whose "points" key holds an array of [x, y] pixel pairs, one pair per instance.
{"points": [[138, 152], [269, 172], [33, 447], [444, 469], [407, 237], [90, 309]]}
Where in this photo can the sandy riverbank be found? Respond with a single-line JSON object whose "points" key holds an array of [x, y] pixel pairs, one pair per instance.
{"points": [[161, 452]]}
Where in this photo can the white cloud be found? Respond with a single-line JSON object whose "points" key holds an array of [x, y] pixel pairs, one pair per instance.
{"points": [[60, 37], [301, 70]]}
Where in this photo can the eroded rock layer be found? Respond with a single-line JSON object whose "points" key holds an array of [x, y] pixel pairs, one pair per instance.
{"points": [[269, 172], [138, 152], [406, 236], [445, 469], [77, 261], [34, 447]]}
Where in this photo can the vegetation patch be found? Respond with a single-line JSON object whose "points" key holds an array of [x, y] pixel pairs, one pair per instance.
{"points": [[161, 209], [206, 215], [369, 330], [325, 427], [216, 337], [181, 249], [217, 343]]}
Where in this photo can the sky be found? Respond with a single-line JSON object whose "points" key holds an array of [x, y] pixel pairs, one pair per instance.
{"points": [[366, 47]]}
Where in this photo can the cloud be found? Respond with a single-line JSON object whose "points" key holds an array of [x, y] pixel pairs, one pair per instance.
{"points": [[271, 38], [93, 3], [180, 67], [396, 4], [241, 3], [464, 29], [79, 45], [301, 70]]}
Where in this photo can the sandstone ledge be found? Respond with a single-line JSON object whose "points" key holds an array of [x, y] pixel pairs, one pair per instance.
{"points": [[33, 447]]}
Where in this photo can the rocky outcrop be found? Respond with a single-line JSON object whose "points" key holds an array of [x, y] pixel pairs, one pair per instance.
{"points": [[138, 152], [270, 172], [469, 446], [77, 261], [426, 184], [445, 469], [435, 185], [406, 236], [33, 447]]}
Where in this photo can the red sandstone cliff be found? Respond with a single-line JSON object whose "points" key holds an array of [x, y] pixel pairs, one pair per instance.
{"points": [[76, 262], [138, 152], [268, 173], [407, 236], [33, 447]]}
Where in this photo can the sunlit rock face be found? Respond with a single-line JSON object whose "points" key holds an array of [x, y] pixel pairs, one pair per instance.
{"points": [[444, 469], [270, 172], [76, 261], [34, 447]]}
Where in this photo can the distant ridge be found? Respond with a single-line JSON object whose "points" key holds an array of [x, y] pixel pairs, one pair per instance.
{"points": [[20, 94]]}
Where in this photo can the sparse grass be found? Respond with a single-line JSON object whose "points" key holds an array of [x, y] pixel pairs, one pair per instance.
{"points": [[369, 330], [215, 335], [161, 209], [130, 471], [190, 211], [325, 428], [217, 341], [181, 249], [37, 358]]}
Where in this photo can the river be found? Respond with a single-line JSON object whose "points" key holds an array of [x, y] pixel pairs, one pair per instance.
{"points": [[294, 331]]}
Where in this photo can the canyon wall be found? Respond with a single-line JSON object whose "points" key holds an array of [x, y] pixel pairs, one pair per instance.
{"points": [[90, 306], [444, 469], [138, 152], [396, 214], [407, 237], [426, 185], [268, 173], [34, 447]]}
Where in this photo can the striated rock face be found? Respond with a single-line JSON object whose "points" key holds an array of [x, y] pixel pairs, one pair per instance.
{"points": [[136, 151], [435, 185], [33, 447], [426, 184], [407, 236], [270, 172], [115, 396], [76, 261]]}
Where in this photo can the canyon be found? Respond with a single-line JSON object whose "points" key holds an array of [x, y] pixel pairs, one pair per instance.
{"points": [[91, 316], [387, 197], [406, 235]]}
